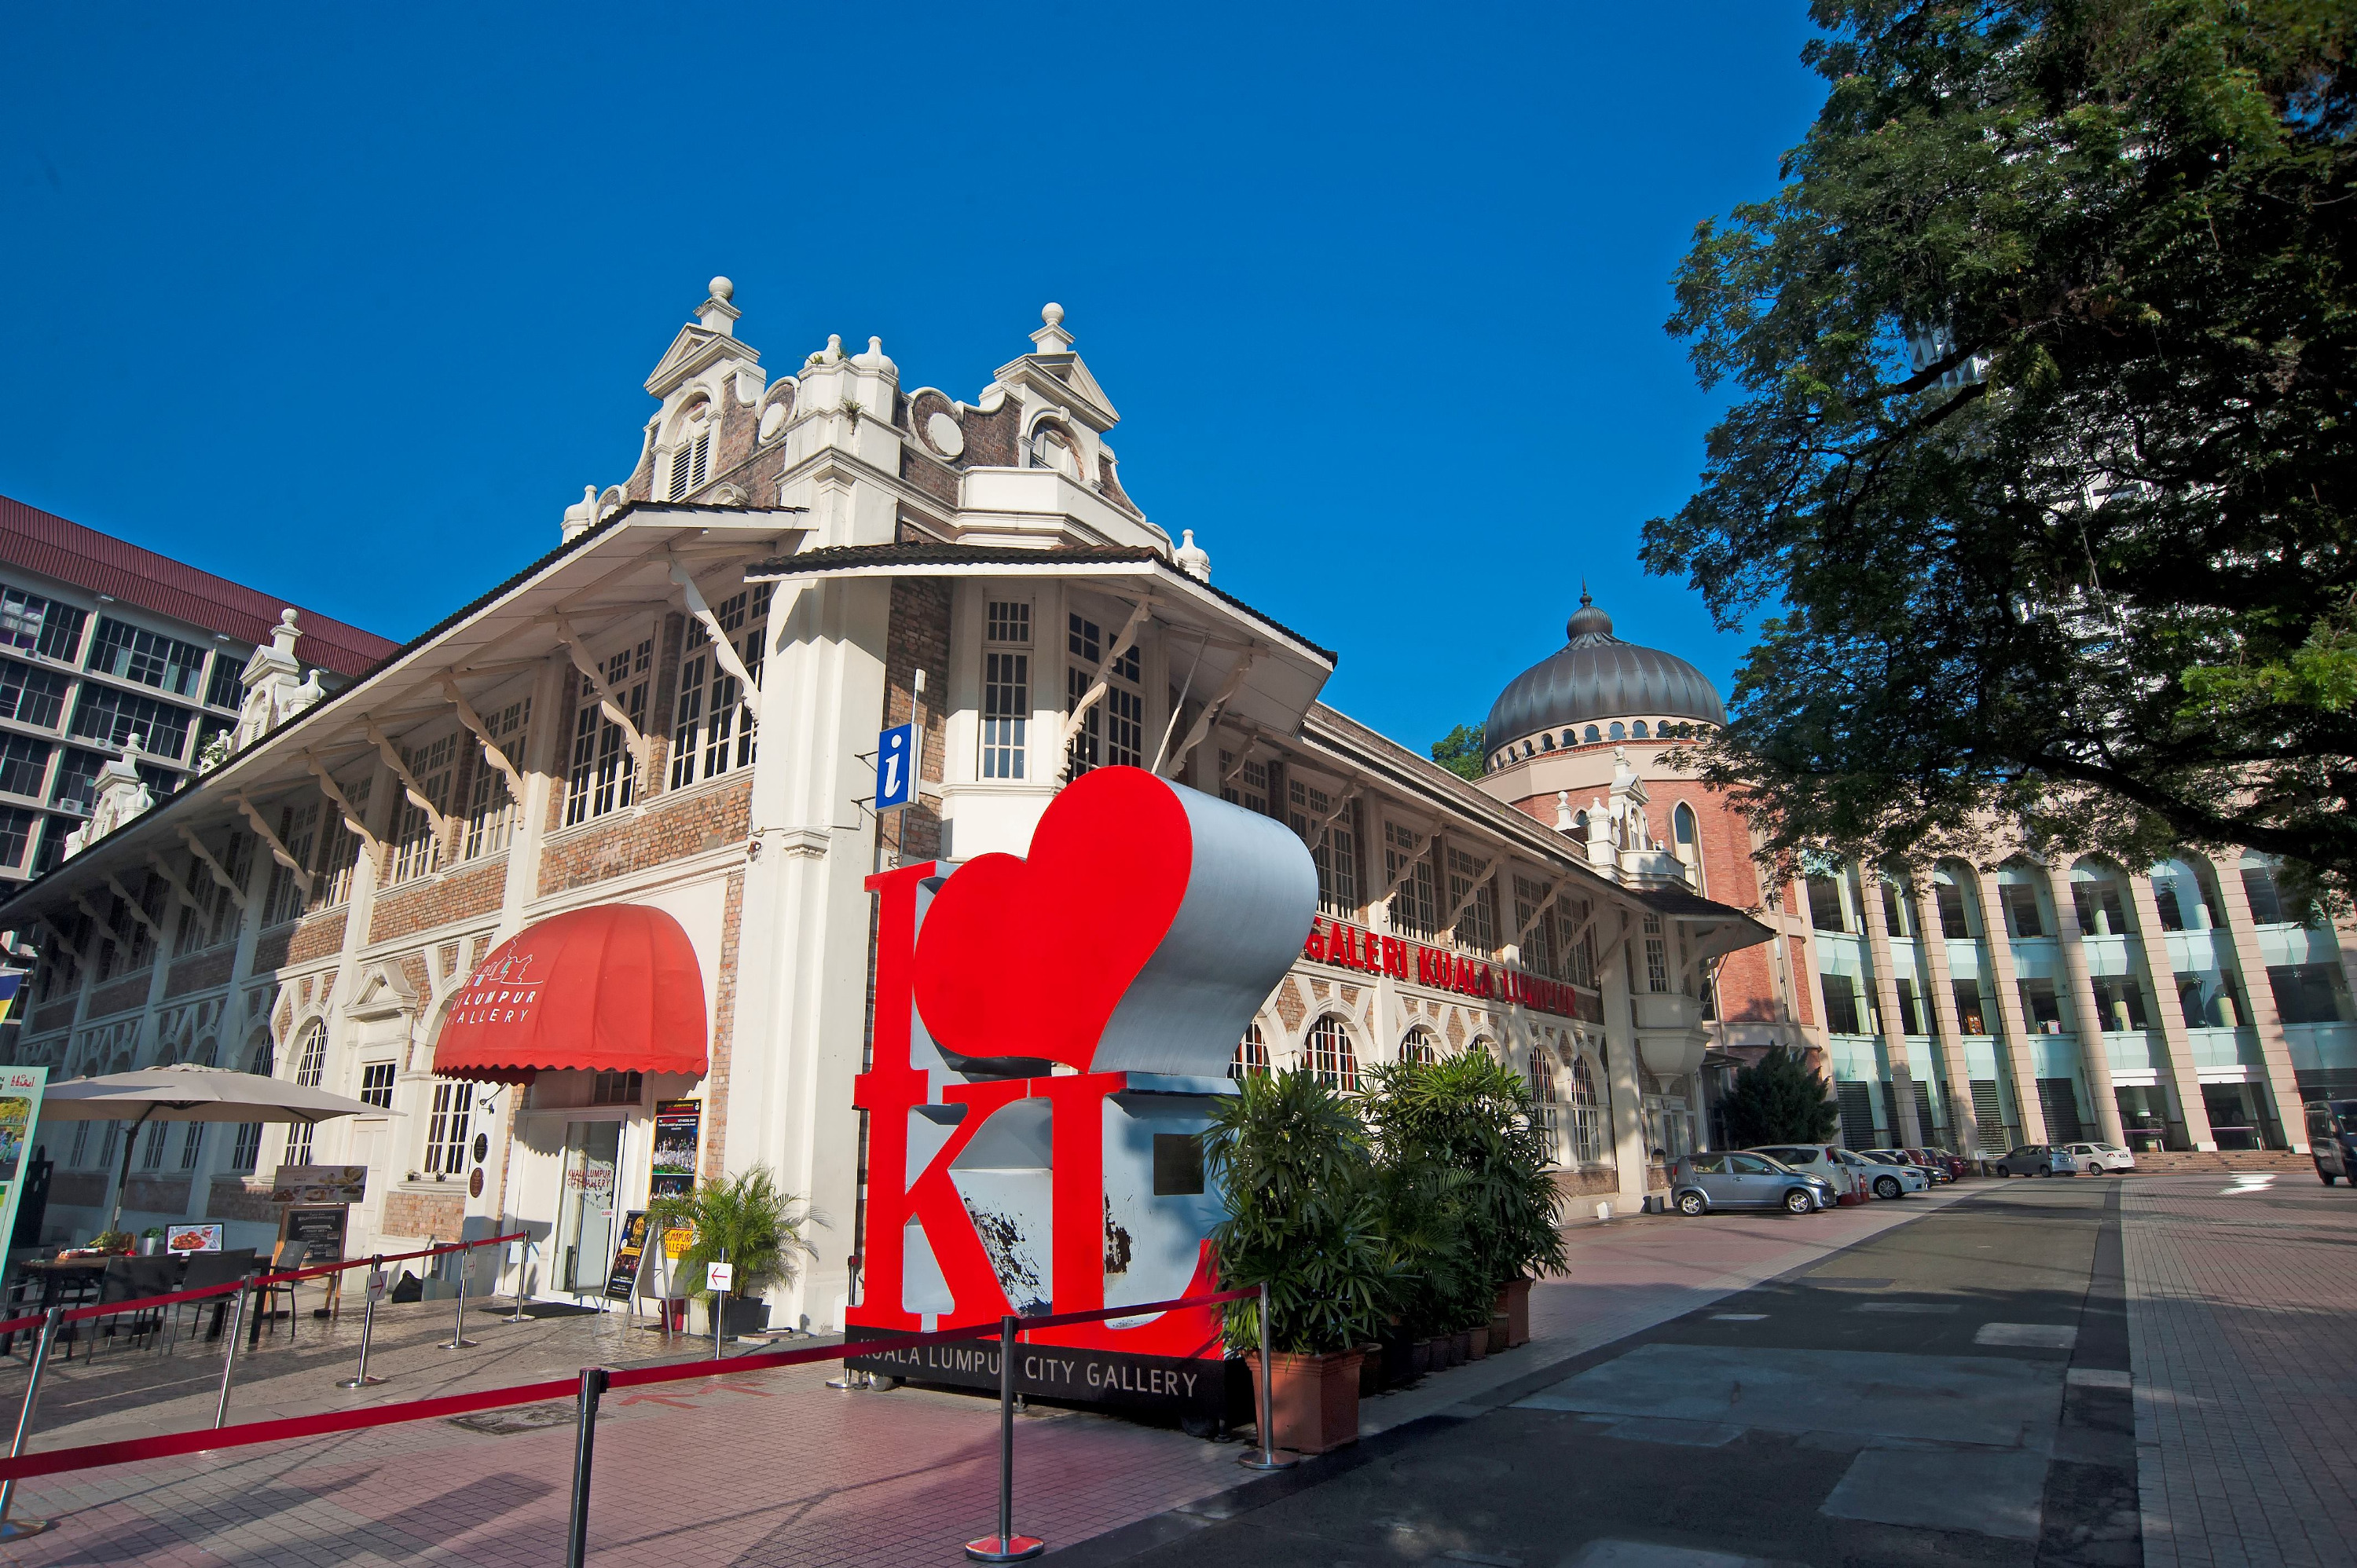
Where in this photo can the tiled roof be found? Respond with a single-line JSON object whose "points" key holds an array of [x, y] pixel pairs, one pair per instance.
{"points": [[39, 541]]}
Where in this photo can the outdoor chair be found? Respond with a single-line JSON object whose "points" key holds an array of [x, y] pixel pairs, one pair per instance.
{"points": [[205, 1271], [284, 1258], [131, 1279]]}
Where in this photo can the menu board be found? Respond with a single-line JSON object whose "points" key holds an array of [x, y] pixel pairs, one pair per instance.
{"points": [[678, 1124], [21, 1088], [320, 1232], [320, 1184], [622, 1279], [192, 1238]]}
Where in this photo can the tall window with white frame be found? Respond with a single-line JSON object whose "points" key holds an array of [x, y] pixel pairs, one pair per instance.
{"points": [[1418, 1049], [1546, 1114], [1657, 956], [1244, 783], [1331, 1056], [1408, 866], [1587, 1114], [416, 849], [1336, 847], [691, 456], [339, 847], [712, 726], [1251, 1060], [310, 1067], [446, 1130], [1112, 732], [604, 774], [491, 803], [1473, 883], [298, 830], [1006, 689]]}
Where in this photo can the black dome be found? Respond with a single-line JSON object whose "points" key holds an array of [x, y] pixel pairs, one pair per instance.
{"points": [[1598, 676]]}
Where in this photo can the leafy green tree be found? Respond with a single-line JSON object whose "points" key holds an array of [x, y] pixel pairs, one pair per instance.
{"points": [[1779, 1100], [2040, 465], [1460, 751]]}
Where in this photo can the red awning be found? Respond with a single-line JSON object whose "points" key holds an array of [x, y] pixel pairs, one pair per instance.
{"points": [[612, 987]]}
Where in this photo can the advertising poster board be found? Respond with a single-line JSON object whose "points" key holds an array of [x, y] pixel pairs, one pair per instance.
{"points": [[320, 1184], [192, 1238], [622, 1279], [318, 1232], [20, 1120], [678, 1125]]}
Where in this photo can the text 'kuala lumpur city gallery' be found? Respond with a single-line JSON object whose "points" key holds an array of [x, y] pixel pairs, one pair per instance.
{"points": [[659, 740]]}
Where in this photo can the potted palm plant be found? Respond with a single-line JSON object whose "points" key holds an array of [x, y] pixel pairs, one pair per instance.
{"points": [[747, 1221], [1303, 1219]]}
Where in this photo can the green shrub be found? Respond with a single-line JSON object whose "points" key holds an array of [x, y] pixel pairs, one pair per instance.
{"points": [[747, 1220]]}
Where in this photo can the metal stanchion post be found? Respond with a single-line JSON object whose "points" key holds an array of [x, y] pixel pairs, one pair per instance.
{"points": [[229, 1362], [18, 1529], [852, 1381], [1266, 1459], [584, 1440], [524, 1263], [360, 1380], [719, 1310], [458, 1340], [1006, 1546]]}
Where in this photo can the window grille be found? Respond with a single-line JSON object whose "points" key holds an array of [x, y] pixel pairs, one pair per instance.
{"points": [[445, 1133], [1006, 713], [214, 919], [376, 1084], [1587, 1114], [1250, 784], [298, 829], [712, 729], [1419, 1047], [604, 775], [192, 1146], [152, 1156], [39, 625], [80, 1145], [1330, 1057], [226, 689], [1008, 622], [1547, 1115], [31, 696], [16, 829], [1477, 928], [1251, 1060], [1336, 851], [1413, 902], [1657, 955], [150, 657], [246, 1152], [24, 765], [492, 805], [1111, 732], [111, 717], [691, 463], [339, 851], [613, 1087], [416, 848]]}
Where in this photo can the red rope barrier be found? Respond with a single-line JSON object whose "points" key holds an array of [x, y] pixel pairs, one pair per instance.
{"points": [[288, 1428], [109, 1308]]}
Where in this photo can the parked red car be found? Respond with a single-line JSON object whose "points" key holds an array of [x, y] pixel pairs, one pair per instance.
{"points": [[1940, 1159]]}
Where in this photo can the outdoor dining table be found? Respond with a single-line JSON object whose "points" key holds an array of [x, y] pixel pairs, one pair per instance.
{"points": [[58, 1276]]}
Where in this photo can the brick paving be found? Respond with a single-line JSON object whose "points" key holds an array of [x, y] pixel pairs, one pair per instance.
{"points": [[744, 1469], [2239, 1301]]}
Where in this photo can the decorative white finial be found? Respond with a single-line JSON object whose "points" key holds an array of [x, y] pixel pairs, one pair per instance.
{"points": [[1193, 558], [1053, 314], [875, 346], [723, 289]]}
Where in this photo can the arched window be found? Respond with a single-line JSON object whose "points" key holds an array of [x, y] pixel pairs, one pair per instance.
{"points": [[691, 453], [1252, 1055], [1586, 1116], [1681, 822], [1639, 731], [310, 1067], [1546, 742], [1484, 1043], [1050, 449], [1594, 735], [1619, 731], [1546, 1116], [1420, 1047], [1330, 1057]]}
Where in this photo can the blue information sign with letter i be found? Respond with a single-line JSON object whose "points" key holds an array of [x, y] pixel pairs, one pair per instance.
{"points": [[894, 768]]}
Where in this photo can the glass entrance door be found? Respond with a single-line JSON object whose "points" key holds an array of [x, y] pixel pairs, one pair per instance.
{"points": [[585, 1205]]}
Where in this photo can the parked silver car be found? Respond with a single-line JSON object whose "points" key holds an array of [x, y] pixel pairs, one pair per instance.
{"points": [[2036, 1160], [1817, 1160], [2097, 1158], [1703, 1181], [1898, 1176]]}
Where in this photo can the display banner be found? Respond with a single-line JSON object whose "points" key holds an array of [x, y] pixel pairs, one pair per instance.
{"points": [[20, 1121], [1199, 1388], [678, 1124], [622, 1279], [320, 1184]]}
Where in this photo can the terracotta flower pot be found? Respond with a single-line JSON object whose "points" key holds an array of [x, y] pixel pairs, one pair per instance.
{"points": [[1429, 1357], [1515, 1301], [1370, 1370], [1477, 1342], [1460, 1347], [1499, 1339], [1315, 1399]]}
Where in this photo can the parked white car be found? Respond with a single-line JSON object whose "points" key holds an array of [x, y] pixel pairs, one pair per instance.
{"points": [[2097, 1158], [1817, 1160], [1887, 1176]]}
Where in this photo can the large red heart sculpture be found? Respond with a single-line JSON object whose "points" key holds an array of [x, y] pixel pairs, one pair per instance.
{"points": [[1029, 957]]}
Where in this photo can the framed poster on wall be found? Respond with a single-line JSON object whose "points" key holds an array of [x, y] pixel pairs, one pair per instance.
{"points": [[678, 1125], [21, 1088]]}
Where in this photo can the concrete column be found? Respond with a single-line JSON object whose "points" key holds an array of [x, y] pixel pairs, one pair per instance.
{"points": [[2013, 1034], [2161, 982], [2275, 1052], [1623, 1093], [1964, 1122], [1907, 1129], [2094, 1057]]}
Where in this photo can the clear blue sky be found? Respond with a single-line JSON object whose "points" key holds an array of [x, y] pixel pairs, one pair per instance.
{"points": [[349, 303]]}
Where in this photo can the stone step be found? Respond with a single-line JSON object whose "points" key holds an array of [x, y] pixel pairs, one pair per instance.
{"points": [[2178, 1162]]}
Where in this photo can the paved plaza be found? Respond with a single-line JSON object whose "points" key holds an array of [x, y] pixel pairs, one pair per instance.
{"points": [[1953, 1370]]}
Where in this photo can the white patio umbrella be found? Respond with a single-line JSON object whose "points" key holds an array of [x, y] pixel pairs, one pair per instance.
{"points": [[183, 1092]]}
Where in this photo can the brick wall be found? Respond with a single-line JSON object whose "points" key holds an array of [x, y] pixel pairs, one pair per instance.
{"points": [[270, 949], [56, 1015], [318, 935], [439, 1215], [472, 890], [119, 996], [241, 1197], [81, 1189], [1587, 1182], [990, 438], [671, 828], [918, 638], [724, 1018], [156, 1195], [201, 972], [929, 474]]}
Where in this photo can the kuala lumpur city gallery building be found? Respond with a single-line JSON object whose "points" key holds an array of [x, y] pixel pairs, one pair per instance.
{"points": [[657, 741]]}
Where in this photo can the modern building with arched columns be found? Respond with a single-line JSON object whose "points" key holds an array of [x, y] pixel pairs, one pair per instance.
{"points": [[2190, 1004], [641, 770]]}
